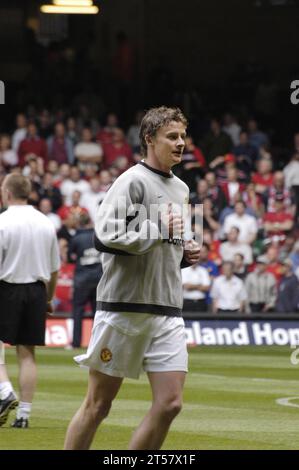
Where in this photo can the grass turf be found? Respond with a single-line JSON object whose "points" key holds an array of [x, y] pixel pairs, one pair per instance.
{"points": [[229, 402]]}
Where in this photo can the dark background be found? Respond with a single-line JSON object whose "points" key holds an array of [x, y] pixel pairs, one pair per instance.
{"points": [[207, 56]]}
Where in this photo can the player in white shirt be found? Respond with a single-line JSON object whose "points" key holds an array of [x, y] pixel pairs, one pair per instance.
{"points": [[29, 262]]}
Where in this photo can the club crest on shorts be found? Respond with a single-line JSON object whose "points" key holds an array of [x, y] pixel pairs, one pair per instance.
{"points": [[106, 355]]}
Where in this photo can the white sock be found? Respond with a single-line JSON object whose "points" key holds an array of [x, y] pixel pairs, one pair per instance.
{"points": [[5, 389], [24, 410]]}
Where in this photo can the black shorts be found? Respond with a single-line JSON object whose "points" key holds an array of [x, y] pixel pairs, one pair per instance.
{"points": [[23, 310]]}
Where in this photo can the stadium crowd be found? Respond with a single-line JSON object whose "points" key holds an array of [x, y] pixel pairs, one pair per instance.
{"points": [[247, 203]]}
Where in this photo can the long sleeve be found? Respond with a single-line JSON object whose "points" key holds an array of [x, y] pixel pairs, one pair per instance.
{"points": [[122, 223]]}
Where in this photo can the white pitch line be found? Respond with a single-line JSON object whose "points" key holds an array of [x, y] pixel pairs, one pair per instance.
{"points": [[287, 401], [230, 377]]}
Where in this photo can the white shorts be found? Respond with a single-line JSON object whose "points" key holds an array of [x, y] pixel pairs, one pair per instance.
{"points": [[122, 344]]}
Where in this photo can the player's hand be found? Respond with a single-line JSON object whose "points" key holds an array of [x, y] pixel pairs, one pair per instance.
{"points": [[175, 226], [192, 252], [174, 223], [50, 308]]}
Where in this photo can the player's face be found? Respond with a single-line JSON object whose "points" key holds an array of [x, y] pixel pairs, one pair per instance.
{"points": [[168, 144]]}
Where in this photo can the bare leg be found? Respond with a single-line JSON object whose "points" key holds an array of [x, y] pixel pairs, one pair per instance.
{"points": [[167, 388], [27, 372], [102, 389], [3, 374]]}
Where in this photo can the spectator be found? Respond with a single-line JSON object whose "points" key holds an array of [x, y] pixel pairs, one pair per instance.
{"points": [[20, 132], [49, 191], [191, 149], [209, 265], [45, 124], [222, 164], [85, 118], [288, 290], [105, 135], [8, 156], [90, 172], [240, 269], [291, 171], [231, 128], [75, 208], [261, 288], [273, 264], [32, 144], [294, 256], [278, 189], [91, 200], [87, 151], [68, 228], [33, 199], [60, 147], [216, 142], [263, 179], [287, 248], [53, 169], [64, 289], [201, 192], [45, 206], [106, 180], [209, 216], [264, 153], [192, 164], [63, 175], [73, 183], [213, 246], [246, 154], [278, 222], [215, 192], [257, 138], [232, 187], [196, 283], [133, 132], [34, 169], [228, 292], [233, 246], [205, 262], [204, 218], [71, 130], [253, 201], [244, 222], [117, 148]]}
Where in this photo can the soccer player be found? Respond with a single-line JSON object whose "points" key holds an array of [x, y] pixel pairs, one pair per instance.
{"points": [[138, 323], [29, 262]]}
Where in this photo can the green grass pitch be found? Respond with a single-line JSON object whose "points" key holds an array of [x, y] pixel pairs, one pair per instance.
{"points": [[230, 402]]}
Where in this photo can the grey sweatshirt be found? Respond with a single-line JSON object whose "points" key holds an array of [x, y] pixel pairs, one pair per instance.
{"points": [[141, 268]]}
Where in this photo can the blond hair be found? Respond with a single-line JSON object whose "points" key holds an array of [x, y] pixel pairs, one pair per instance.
{"points": [[18, 185]]}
